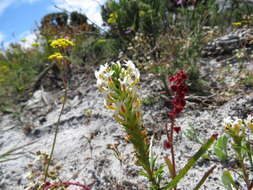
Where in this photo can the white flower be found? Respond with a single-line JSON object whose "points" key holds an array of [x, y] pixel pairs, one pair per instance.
{"points": [[108, 74], [101, 70], [227, 121], [237, 121], [249, 119], [100, 82], [29, 175], [128, 75], [129, 64]]}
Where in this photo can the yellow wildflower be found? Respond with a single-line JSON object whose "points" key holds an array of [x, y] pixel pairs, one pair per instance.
{"points": [[113, 15], [144, 132], [35, 45], [61, 43], [236, 23], [101, 41], [57, 56], [142, 13], [250, 126], [237, 127], [111, 107], [112, 18], [4, 69], [249, 122]]}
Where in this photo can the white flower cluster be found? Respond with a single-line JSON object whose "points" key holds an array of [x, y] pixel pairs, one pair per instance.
{"points": [[237, 123], [116, 79], [127, 74]]}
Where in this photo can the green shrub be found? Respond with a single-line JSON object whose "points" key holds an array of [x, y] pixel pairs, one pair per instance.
{"points": [[19, 68]]}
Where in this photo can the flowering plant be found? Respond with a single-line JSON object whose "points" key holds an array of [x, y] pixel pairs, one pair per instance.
{"points": [[35, 176], [56, 56], [118, 83], [238, 132], [112, 18], [61, 43], [49, 178]]}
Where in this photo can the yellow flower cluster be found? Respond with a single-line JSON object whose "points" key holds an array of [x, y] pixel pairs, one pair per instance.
{"points": [[61, 43], [112, 18], [237, 24], [101, 41], [35, 45], [4, 69], [56, 56], [238, 124]]}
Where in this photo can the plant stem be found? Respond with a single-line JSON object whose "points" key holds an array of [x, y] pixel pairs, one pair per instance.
{"points": [[172, 149], [57, 125], [241, 162], [170, 140]]}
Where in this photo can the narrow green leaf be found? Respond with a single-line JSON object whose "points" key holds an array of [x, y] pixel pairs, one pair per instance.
{"points": [[249, 154], [190, 163], [143, 174], [13, 152], [9, 159], [170, 166], [205, 176]]}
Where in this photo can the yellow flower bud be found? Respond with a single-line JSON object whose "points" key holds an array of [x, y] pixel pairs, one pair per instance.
{"points": [[144, 132], [122, 108], [250, 126], [56, 56], [237, 24], [111, 107], [237, 127]]}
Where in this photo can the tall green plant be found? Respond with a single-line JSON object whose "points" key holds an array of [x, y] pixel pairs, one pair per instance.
{"points": [[118, 83]]}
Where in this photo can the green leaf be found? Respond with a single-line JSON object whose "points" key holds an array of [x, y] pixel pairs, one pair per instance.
{"points": [[170, 166], [249, 153], [190, 163], [220, 148], [228, 181], [192, 134], [142, 173]]}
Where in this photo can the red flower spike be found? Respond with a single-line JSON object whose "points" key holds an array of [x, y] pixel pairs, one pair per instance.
{"points": [[166, 144], [174, 87], [180, 89], [177, 129], [215, 135]]}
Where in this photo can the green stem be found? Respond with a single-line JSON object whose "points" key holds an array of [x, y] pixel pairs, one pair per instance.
{"points": [[241, 162], [57, 126]]}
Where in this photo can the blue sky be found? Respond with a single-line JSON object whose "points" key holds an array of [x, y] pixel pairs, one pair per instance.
{"points": [[18, 18]]}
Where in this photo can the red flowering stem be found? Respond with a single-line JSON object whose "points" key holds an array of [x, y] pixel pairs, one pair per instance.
{"points": [[180, 89], [172, 148], [170, 140], [85, 187], [49, 185]]}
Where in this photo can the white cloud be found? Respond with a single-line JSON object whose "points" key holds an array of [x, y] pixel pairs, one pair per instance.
{"points": [[5, 4], [28, 38], [91, 8]]}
